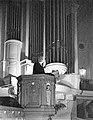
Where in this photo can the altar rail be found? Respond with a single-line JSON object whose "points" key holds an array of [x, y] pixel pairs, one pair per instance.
{"points": [[11, 113]]}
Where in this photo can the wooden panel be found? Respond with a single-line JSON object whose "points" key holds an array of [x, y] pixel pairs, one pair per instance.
{"points": [[11, 113], [37, 90]]}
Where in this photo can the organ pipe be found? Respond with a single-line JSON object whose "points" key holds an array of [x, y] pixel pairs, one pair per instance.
{"points": [[58, 40], [64, 33], [53, 42], [76, 41], [50, 34], [44, 48], [27, 29]]}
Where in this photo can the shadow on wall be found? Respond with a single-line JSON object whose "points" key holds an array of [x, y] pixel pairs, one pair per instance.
{"points": [[1, 82], [23, 56]]}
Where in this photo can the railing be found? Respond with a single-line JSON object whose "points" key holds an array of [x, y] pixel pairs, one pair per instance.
{"points": [[34, 96], [11, 113]]}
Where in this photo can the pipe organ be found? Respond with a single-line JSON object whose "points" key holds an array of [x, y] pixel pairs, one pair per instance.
{"points": [[42, 26], [58, 27]]}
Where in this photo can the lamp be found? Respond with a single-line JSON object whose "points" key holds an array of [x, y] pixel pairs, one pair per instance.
{"points": [[82, 72]]}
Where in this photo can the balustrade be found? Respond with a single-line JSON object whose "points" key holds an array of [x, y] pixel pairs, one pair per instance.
{"points": [[11, 113]]}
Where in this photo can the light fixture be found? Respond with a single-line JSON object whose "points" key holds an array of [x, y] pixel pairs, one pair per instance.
{"points": [[82, 72]]}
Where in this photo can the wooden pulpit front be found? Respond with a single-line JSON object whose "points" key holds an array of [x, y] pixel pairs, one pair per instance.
{"points": [[36, 90], [36, 94]]}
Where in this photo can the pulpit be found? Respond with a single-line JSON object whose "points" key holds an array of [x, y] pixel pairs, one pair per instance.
{"points": [[36, 94]]}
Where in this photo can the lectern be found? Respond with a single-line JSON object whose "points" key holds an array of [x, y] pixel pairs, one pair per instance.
{"points": [[36, 94]]}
